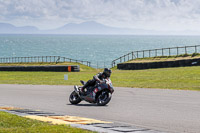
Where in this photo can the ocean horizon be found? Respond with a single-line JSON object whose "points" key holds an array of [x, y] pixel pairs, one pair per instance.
{"points": [[100, 50]]}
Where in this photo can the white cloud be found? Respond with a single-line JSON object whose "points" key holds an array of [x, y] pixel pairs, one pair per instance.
{"points": [[144, 14]]}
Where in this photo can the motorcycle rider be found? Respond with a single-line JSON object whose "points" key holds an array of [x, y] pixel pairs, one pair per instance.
{"points": [[97, 78]]}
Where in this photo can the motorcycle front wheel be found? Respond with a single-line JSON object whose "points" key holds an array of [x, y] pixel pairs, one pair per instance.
{"points": [[74, 98], [103, 98]]}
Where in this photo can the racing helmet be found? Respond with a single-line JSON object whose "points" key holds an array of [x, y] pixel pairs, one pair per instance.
{"points": [[107, 72]]}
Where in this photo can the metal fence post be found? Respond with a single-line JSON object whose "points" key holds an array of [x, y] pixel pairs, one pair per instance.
{"points": [[156, 53], [143, 54], [185, 50], [149, 53], [195, 49], [177, 50]]}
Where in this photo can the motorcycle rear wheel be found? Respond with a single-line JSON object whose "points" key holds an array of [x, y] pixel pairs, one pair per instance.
{"points": [[74, 98], [104, 98]]}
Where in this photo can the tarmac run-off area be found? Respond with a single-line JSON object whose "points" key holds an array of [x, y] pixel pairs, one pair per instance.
{"points": [[130, 109]]}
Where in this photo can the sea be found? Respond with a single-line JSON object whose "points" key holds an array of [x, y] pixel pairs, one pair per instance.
{"points": [[100, 50]]}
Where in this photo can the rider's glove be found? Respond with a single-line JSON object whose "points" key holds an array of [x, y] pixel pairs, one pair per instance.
{"points": [[101, 82]]}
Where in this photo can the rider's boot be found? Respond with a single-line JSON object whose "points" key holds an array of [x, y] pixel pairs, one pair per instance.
{"points": [[82, 90]]}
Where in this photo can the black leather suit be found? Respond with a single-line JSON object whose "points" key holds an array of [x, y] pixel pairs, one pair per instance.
{"points": [[99, 77]]}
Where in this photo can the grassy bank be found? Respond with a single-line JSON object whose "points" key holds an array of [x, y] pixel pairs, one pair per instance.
{"points": [[187, 78], [165, 58], [10, 123]]}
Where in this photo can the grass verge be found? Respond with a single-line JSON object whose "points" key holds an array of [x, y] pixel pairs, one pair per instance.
{"points": [[186, 78], [165, 58], [10, 123]]}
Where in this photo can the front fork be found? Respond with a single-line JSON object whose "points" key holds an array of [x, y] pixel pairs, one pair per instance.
{"points": [[76, 89]]}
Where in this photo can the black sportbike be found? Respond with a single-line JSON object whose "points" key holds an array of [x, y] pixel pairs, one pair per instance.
{"points": [[99, 94]]}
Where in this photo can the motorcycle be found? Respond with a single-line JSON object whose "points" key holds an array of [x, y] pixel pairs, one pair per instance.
{"points": [[99, 94]]}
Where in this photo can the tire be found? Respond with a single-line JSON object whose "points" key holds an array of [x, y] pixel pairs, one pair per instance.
{"points": [[103, 98], [74, 98]]}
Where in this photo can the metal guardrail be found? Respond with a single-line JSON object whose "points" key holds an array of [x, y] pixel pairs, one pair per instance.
{"points": [[41, 59], [156, 52], [127, 57]]}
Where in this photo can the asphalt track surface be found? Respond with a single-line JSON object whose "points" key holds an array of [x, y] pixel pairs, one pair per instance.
{"points": [[157, 109]]}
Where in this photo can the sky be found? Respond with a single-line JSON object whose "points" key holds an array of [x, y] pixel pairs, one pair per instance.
{"points": [[164, 15]]}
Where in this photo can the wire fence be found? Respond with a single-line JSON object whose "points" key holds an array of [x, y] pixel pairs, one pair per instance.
{"points": [[157, 52], [41, 59], [102, 64]]}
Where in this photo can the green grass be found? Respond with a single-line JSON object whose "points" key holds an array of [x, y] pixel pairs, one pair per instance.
{"points": [[44, 78], [186, 78], [10, 123]]}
